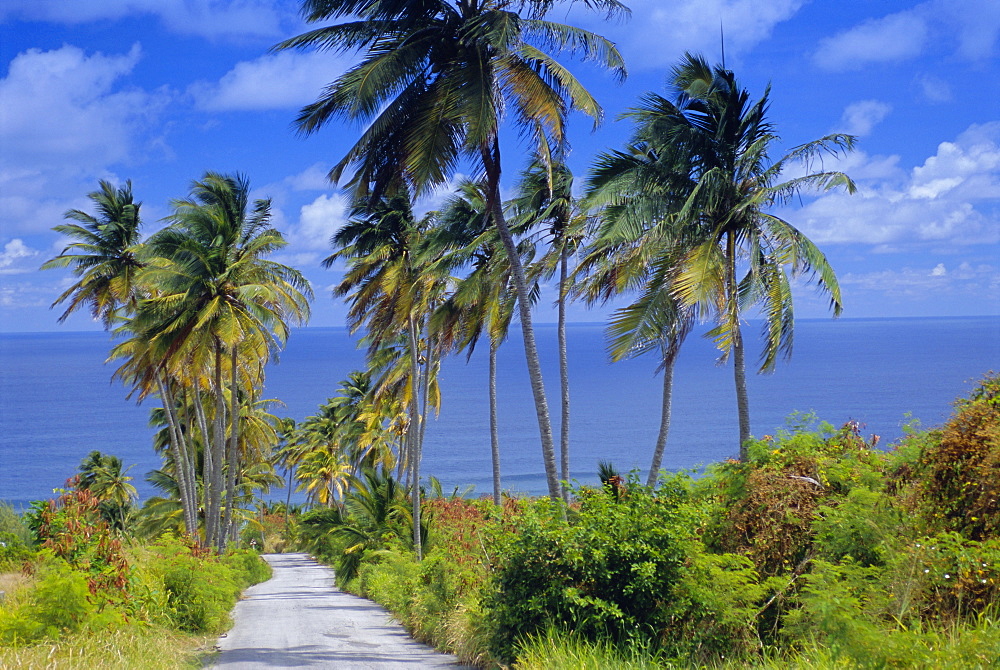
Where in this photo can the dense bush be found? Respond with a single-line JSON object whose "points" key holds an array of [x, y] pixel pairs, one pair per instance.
{"points": [[625, 567], [955, 481], [820, 550], [201, 588]]}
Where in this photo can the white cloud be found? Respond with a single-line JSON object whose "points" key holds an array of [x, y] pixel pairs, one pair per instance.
{"points": [[283, 80], [967, 28], [935, 89], [893, 38], [860, 117], [659, 30], [909, 282], [206, 18], [13, 253], [953, 199], [66, 119], [319, 221]]}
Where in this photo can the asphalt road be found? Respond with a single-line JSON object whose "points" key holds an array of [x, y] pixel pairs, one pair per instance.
{"points": [[299, 619]]}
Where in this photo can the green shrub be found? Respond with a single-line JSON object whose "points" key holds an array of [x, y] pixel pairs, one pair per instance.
{"points": [[60, 602], [11, 522], [249, 567], [200, 590], [13, 552], [609, 573], [954, 482]]}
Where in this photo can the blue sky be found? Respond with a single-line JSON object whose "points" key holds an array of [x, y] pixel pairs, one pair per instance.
{"points": [[159, 91]]}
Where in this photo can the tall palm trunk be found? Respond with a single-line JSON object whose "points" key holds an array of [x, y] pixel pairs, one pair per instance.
{"points": [[661, 437], [415, 429], [739, 355], [491, 162], [207, 465], [563, 372], [177, 449], [213, 508], [494, 425], [232, 455]]}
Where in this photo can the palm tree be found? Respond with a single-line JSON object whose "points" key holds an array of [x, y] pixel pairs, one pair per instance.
{"points": [[432, 87], [708, 150], [102, 475], [219, 297], [103, 254], [392, 294], [545, 198], [483, 301]]}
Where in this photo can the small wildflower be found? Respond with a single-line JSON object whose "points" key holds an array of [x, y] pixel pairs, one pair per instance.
{"points": [[926, 571], [947, 576], [983, 581]]}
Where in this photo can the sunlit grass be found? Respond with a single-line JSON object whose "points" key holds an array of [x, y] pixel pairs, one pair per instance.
{"points": [[133, 647]]}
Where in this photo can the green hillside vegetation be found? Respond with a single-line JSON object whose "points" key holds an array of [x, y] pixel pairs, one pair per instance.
{"points": [[818, 550], [80, 593]]}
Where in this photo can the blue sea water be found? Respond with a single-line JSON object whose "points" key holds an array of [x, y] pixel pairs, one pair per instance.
{"points": [[58, 402]]}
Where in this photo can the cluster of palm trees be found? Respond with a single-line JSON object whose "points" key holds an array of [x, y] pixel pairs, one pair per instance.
{"points": [[198, 310], [678, 219]]}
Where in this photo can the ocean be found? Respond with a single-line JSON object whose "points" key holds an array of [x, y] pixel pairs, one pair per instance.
{"points": [[58, 401]]}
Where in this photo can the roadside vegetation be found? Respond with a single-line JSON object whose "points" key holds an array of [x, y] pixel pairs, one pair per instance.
{"points": [[818, 550], [80, 592], [814, 548]]}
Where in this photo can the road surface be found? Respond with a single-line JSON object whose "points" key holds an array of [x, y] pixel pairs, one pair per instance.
{"points": [[299, 619]]}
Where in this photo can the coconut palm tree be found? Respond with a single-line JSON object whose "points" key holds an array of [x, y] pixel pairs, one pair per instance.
{"points": [[432, 88], [103, 254], [392, 293], [483, 301], [104, 476], [218, 299], [697, 176], [544, 199]]}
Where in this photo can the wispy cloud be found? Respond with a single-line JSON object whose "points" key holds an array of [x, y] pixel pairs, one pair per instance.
{"points": [[924, 282], [659, 30], [284, 80], [968, 29], [240, 19], [67, 120], [951, 199], [861, 117]]}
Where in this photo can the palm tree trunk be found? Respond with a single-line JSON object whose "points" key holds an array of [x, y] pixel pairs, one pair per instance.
{"points": [[414, 429], [491, 162], [739, 355], [207, 467], [494, 425], [232, 457], [179, 457], [563, 373], [213, 511], [661, 437]]}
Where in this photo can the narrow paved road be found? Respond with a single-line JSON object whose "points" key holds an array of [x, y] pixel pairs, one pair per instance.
{"points": [[299, 619]]}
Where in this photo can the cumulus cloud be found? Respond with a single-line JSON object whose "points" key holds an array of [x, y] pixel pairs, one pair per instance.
{"points": [[277, 81], [660, 29], [13, 256], [951, 199], [205, 18], [320, 220], [968, 29], [860, 117], [66, 119]]}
